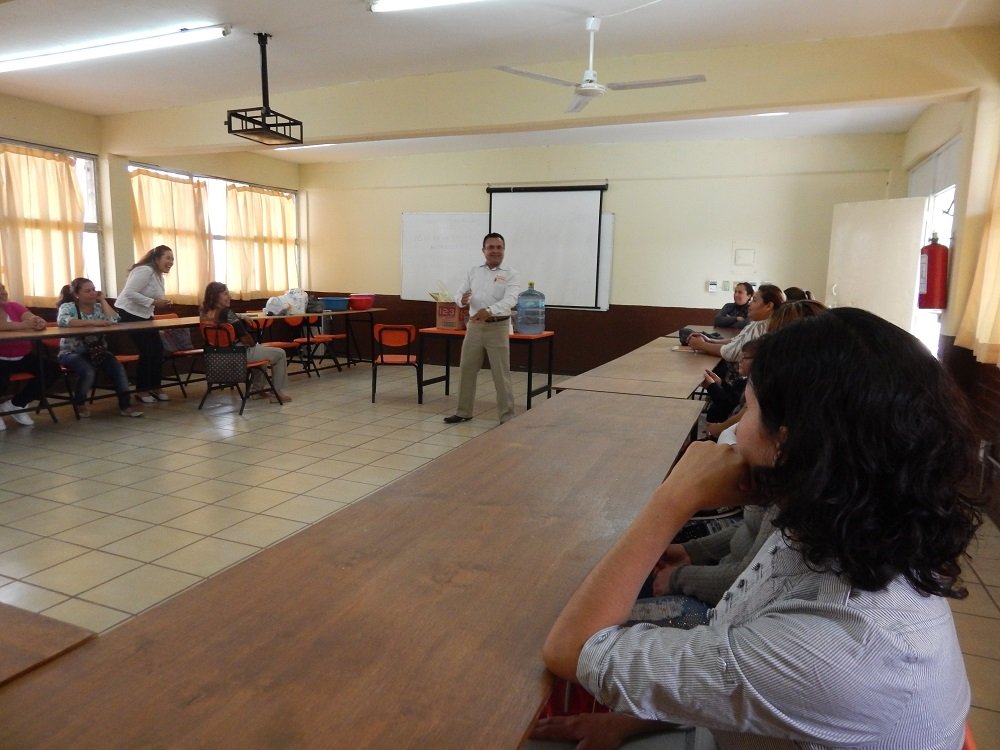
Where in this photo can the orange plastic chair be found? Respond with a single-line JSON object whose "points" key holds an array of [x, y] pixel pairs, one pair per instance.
{"points": [[970, 742], [316, 345], [20, 377], [293, 350], [395, 337], [172, 357], [53, 346], [221, 352]]}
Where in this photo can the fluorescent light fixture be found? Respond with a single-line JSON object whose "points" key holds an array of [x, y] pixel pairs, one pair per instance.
{"points": [[303, 148], [385, 6], [770, 114], [117, 47]]}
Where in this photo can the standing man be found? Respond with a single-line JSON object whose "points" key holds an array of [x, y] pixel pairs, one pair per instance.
{"points": [[489, 291]]}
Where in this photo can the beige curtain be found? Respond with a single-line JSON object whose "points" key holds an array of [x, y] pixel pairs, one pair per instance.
{"points": [[41, 223], [173, 210], [980, 326], [260, 242]]}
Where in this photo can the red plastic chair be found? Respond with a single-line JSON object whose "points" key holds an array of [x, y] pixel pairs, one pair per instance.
{"points": [[316, 345], [220, 342], [293, 350], [172, 357], [398, 337], [970, 742]]}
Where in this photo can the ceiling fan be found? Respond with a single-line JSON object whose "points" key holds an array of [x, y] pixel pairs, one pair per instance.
{"points": [[588, 87]]}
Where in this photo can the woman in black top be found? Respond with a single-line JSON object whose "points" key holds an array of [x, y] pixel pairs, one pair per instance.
{"points": [[734, 314]]}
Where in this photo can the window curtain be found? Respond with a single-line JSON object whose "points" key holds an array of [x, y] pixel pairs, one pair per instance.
{"points": [[260, 242], [980, 326], [173, 211], [41, 223]]}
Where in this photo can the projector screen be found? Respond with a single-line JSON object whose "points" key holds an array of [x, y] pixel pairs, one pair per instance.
{"points": [[553, 238], [546, 243]]}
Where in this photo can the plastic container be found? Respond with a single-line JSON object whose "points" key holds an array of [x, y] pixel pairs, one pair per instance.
{"points": [[334, 303], [530, 311], [361, 301]]}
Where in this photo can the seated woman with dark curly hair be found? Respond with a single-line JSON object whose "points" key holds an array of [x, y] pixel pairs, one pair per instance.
{"points": [[838, 633]]}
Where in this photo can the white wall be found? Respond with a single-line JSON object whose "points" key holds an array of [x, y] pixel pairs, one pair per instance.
{"points": [[681, 208]]}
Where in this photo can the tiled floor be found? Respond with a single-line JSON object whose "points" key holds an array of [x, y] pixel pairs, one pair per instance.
{"points": [[104, 518]]}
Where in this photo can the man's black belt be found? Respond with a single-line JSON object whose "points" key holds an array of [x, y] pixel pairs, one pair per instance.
{"points": [[497, 319]]}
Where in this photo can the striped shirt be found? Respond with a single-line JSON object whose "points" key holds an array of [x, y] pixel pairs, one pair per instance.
{"points": [[795, 658]]}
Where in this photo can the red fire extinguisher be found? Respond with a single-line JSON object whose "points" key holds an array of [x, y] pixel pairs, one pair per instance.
{"points": [[933, 275]]}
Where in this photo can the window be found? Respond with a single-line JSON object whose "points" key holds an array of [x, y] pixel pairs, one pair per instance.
{"points": [[49, 228], [245, 235]]}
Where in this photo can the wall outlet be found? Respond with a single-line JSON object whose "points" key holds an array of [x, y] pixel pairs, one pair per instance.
{"points": [[711, 286]]}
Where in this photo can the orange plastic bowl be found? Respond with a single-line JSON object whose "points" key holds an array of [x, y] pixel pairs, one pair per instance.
{"points": [[361, 301]]}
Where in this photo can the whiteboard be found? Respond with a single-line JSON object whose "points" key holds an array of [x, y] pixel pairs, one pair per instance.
{"points": [[442, 247], [439, 248]]}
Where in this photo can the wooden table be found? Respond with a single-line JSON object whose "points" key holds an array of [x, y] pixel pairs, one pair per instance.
{"points": [[412, 619], [28, 639], [726, 333], [651, 370], [56, 332], [448, 334]]}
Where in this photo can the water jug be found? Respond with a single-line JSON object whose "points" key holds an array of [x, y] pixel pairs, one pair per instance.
{"points": [[530, 310]]}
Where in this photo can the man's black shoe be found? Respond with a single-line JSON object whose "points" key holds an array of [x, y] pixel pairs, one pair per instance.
{"points": [[455, 418]]}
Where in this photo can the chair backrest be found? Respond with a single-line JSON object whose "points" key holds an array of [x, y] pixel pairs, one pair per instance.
{"points": [[225, 364], [51, 343], [219, 335], [394, 336]]}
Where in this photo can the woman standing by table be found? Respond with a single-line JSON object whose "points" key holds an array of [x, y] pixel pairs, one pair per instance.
{"points": [[82, 305], [142, 295], [17, 356]]}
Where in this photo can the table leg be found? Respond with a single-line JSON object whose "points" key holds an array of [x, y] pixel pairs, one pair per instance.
{"points": [[447, 365], [531, 366]]}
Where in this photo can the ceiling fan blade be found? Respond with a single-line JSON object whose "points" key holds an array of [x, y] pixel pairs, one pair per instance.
{"points": [[679, 81], [535, 76], [577, 103]]}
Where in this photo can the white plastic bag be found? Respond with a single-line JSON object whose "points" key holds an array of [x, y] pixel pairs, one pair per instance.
{"points": [[297, 299]]}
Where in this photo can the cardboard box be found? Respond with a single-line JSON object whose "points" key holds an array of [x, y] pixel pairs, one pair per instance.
{"points": [[450, 315]]}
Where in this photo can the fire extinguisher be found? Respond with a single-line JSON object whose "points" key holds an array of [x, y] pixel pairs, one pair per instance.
{"points": [[933, 275]]}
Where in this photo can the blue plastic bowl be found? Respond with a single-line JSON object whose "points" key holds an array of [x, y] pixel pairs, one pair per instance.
{"points": [[335, 303]]}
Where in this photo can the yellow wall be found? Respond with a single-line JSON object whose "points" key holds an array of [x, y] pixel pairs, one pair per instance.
{"points": [[680, 208]]}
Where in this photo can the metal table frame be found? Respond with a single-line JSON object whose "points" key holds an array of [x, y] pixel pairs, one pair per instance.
{"points": [[448, 334]]}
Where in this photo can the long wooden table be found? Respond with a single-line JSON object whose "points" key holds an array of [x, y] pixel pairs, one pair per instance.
{"points": [[56, 332], [28, 639], [413, 619], [651, 370]]}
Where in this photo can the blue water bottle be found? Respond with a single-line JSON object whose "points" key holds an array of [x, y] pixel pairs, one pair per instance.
{"points": [[530, 311]]}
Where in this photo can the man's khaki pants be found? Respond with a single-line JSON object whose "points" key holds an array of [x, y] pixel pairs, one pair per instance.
{"points": [[493, 340]]}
